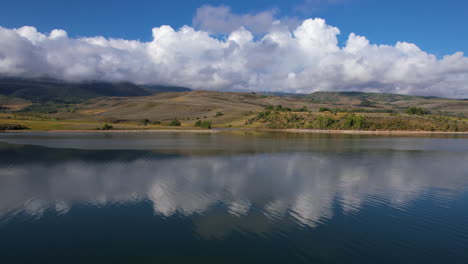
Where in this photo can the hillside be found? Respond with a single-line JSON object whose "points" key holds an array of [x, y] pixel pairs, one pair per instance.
{"points": [[48, 90], [321, 110]]}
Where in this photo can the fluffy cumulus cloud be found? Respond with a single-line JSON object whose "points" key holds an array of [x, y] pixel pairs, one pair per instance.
{"points": [[258, 54]]}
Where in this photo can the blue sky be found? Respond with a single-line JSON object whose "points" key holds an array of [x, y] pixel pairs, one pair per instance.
{"points": [[439, 27]]}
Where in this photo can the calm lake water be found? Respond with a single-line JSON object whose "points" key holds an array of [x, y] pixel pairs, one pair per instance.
{"points": [[232, 197]]}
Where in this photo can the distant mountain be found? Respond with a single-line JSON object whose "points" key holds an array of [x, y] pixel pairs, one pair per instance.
{"points": [[327, 97], [286, 95], [164, 89], [49, 90]]}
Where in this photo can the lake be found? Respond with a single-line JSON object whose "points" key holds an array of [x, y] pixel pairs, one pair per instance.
{"points": [[232, 197]]}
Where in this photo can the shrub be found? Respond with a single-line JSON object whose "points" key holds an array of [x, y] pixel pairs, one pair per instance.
{"points": [[302, 109], [218, 114], [203, 124], [46, 108], [366, 103], [353, 121], [175, 122], [12, 127], [280, 108], [145, 122], [325, 122], [106, 127], [416, 111], [324, 109], [263, 114]]}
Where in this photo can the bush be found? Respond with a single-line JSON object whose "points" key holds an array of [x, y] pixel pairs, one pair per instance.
{"points": [[325, 122], [175, 122], [45, 108], [12, 127], [416, 111], [106, 127], [218, 114], [263, 114], [302, 109], [280, 108], [145, 122], [203, 124], [353, 121], [366, 103], [324, 109]]}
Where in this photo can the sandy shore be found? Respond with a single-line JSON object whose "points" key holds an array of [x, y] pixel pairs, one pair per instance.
{"points": [[117, 131], [368, 132]]}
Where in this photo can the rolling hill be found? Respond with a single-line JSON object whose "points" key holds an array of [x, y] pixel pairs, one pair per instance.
{"points": [[49, 90], [125, 103]]}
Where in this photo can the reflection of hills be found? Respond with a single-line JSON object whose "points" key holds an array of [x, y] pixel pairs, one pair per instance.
{"points": [[303, 187], [132, 146]]}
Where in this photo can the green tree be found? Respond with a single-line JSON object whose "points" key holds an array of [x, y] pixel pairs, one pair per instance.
{"points": [[106, 127], [325, 122], [175, 122], [353, 121], [366, 103], [324, 109], [416, 111], [205, 125], [145, 122]]}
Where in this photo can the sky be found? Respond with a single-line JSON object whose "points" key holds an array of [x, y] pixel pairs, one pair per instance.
{"points": [[302, 46]]}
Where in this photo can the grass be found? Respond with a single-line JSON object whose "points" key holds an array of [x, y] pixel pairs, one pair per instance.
{"points": [[245, 110], [351, 121]]}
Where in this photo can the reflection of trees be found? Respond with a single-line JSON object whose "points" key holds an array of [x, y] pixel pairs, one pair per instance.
{"points": [[302, 186]]}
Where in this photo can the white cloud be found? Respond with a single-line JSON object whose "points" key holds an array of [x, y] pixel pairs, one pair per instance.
{"points": [[304, 59]]}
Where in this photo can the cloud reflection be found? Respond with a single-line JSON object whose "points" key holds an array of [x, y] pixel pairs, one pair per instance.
{"points": [[305, 187]]}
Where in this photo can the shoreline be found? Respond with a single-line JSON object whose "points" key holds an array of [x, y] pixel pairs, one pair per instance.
{"points": [[113, 131], [366, 132], [291, 130]]}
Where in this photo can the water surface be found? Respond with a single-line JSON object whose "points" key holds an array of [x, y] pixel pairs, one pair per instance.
{"points": [[232, 197]]}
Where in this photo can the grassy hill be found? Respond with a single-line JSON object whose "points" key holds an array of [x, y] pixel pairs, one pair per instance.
{"points": [[53, 91], [321, 110]]}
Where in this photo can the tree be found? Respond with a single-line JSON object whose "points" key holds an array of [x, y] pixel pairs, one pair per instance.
{"points": [[145, 122], [175, 122], [325, 122], [416, 111], [355, 122], [365, 103], [106, 127], [203, 124]]}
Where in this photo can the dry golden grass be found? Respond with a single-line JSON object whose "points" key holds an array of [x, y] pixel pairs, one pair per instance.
{"points": [[188, 107]]}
